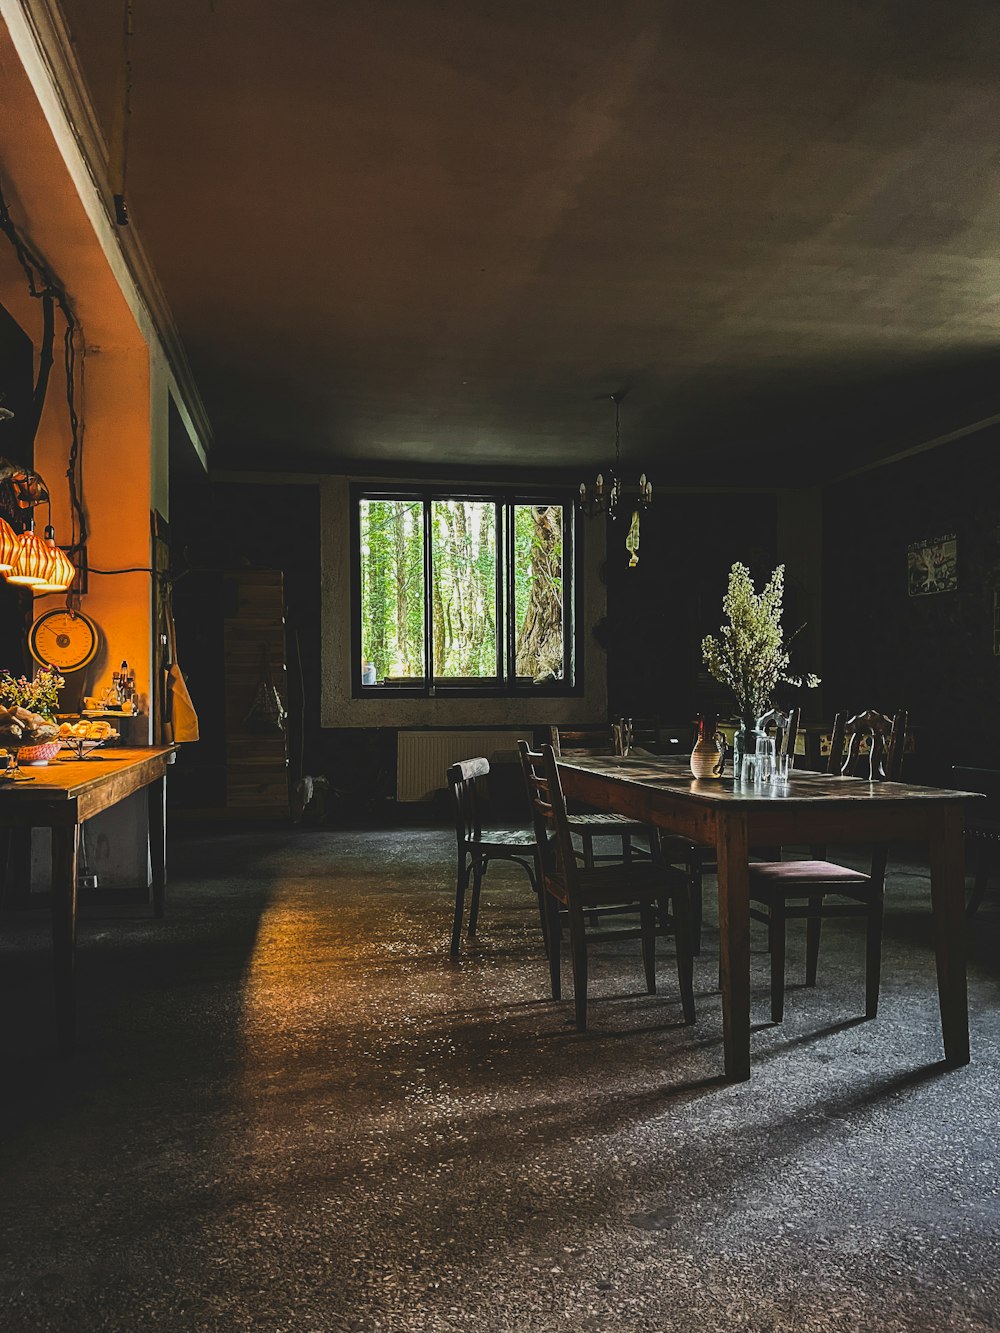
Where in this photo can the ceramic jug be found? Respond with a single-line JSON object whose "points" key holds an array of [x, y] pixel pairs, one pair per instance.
{"points": [[708, 758]]}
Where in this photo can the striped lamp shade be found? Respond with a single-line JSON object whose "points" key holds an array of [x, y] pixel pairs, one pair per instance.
{"points": [[61, 571], [32, 564], [10, 546]]}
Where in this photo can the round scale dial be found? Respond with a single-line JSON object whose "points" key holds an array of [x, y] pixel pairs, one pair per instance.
{"points": [[66, 640]]}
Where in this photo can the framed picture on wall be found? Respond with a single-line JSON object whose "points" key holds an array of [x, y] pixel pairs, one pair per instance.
{"points": [[932, 565]]}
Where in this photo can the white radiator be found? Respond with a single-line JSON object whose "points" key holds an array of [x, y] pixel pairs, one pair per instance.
{"points": [[424, 757]]}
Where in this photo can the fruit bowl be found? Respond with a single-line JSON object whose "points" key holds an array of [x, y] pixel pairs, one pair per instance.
{"points": [[33, 756]]}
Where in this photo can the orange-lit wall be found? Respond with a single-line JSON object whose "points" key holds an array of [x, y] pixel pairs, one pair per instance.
{"points": [[49, 184]]}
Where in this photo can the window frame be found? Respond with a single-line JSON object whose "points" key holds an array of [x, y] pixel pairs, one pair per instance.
{"points": [[505, 498]]}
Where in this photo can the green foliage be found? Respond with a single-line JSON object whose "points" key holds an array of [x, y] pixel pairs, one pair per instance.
{"points": [[751, 655], [40, 695], [392, 613], [463, 540]]}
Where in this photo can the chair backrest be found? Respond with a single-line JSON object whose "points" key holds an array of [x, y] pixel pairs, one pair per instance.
{"points": [[588, 738], [874, 746], [463, 778], [785, 727], [646, 732], [548, 815]]}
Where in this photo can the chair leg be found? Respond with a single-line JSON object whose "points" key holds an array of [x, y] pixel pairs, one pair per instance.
{"points": [[814, 923], [462, 884], [553, 935], [538, 884], [626, 849], [776, 931], [873, 955], [979, 884], [683, 939], [478, 871], [578, 943], [647, 924]]}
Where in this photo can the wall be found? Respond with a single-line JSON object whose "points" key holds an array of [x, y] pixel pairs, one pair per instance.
{"points": [[644, 640], [16, 385], [933, 655], [55, 183], [659, 612]]}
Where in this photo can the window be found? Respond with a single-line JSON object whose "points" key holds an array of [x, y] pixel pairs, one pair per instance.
{"points": [[463, 592]]}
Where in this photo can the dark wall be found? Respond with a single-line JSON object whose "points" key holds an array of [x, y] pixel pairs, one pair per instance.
{"points": [[933, 655], [16, 386], [215, 528], [659, 611], [657, 615]]}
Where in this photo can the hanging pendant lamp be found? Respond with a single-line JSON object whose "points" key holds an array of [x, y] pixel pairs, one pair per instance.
{"points": [[605, 495], [32, 563], [61, 571], [10, 546]]}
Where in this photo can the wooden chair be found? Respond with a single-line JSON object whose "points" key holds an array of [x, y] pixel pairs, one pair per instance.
{"points": [[596, 740], [982, 829], [874, 750], [650, 888], [478, 847]]}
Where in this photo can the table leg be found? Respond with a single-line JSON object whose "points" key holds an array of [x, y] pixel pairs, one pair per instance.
{"points": [[734, 928], [65, 849], [947, 854], [157, 795]]}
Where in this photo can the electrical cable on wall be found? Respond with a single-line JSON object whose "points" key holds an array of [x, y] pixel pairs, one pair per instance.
{"points": [[44, 286]]}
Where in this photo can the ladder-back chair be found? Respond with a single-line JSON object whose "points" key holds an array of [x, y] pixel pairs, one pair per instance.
{"points": [[799, 889], [658, 892], [478, 847]]}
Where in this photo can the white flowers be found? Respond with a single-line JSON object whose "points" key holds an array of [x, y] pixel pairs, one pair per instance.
{"points": [[751, 656]]}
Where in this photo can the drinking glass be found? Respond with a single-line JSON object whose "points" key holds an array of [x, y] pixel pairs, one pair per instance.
{"points": [[765, 757]]}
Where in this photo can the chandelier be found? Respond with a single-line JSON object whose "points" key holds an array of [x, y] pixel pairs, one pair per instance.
{"points": [[605, 495]]}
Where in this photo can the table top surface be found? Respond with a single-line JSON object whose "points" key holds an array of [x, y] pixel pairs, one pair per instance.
{"points": [[673, 777], [65, 779]]}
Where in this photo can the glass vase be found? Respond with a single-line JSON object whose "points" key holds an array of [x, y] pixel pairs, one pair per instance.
{"points": [[745, 750]]}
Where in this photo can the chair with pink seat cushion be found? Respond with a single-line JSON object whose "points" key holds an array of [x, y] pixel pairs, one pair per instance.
{"points": [[801, 889]]}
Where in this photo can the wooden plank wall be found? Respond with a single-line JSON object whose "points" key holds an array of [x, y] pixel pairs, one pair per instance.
{"points": [[256, 763]]}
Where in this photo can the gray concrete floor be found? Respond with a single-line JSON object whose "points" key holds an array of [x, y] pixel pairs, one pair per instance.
{"points": [[291, 1111]]}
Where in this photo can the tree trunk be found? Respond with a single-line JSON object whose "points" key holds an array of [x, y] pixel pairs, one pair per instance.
{"points": [[540, 635]]}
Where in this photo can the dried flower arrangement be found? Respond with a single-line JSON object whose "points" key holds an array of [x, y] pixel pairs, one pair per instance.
{"points": [[751, 654]]}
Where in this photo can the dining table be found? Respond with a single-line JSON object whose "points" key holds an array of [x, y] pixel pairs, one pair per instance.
{"points": [[807, 808], [61, 797]]}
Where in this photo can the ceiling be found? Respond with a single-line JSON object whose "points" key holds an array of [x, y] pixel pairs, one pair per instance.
{"points": [[428, 233]]}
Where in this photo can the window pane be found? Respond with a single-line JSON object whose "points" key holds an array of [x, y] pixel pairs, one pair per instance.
{"points": [[538, 592], [464, 589], [392, 591]]}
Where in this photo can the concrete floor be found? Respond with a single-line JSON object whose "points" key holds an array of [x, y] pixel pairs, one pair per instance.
{"points": [[291, 1111]]}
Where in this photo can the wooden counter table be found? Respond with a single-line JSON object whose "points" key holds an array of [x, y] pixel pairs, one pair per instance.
{"points": [[810, 808], [61, 797]]}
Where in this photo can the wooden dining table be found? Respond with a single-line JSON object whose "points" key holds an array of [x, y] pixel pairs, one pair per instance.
{"points": [[61, 797], [810, 808]]}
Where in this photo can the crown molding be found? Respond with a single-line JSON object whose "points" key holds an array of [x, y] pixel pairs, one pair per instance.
{"points": [[43, 41]]}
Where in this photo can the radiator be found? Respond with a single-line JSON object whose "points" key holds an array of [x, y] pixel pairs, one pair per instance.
{"points": [[424, 757]]}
